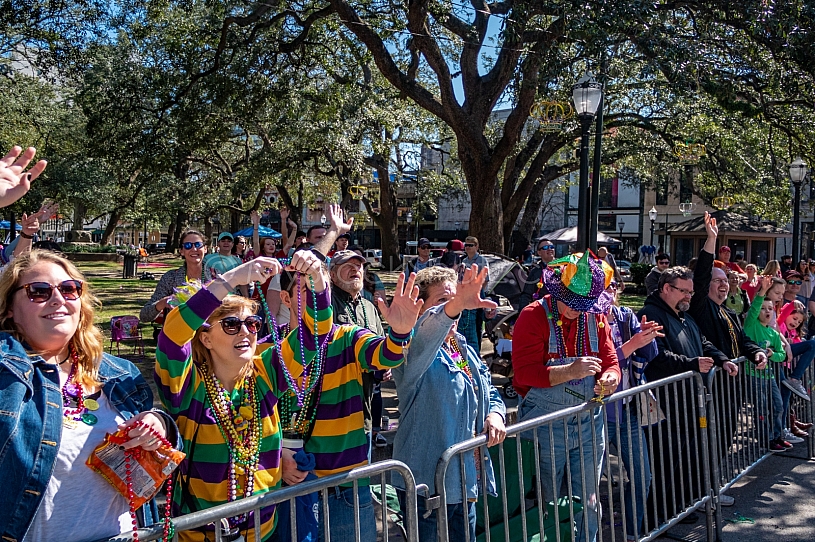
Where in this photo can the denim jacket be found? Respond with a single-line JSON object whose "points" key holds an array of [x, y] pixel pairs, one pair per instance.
{"points": [[31, 426], [439, 407]]}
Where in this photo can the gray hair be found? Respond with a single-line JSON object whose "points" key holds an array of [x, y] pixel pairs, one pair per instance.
{"points": [[430, 276], [672, 274]]}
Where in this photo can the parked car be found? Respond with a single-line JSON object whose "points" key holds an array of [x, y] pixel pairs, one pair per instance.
{"points": [[373, 256], [625, 269], [156, 248]]}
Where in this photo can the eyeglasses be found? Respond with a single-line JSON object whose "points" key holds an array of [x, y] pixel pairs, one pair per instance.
{"points": [[613, 285], [795, 282], [664, 262], [232, 324], [40, 292], [686, 293], [424, 247], [468, 245], [188, 245], [546, 247], [719, 281]]}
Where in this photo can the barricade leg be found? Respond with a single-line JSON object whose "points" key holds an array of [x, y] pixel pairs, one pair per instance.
{"points": [[629, 440], [344, 523]]}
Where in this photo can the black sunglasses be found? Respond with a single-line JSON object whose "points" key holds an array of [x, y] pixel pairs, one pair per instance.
{"points": [[188, 245], [424, 246], [794, 282], [469, 244], [40, 292], [232, 324]]}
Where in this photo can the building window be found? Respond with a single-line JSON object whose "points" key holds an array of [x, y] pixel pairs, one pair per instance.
{"points": [[662, 192], [686, 185]]}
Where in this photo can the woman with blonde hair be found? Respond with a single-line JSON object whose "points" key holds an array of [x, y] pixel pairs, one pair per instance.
{"points": [[224, 397], [772, 269], [60, 395]]}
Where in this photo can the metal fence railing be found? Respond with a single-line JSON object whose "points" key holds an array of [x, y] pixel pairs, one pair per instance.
{"points": [[658, 475], [629, 467], [213, 516], [746, 415]]}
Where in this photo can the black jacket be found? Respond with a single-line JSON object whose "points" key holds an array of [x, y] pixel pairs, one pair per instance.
{"points": [[713, 318], [682, 345]]}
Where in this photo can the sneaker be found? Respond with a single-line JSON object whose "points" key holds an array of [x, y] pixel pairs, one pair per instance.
{"points": [[380, 441], [797, 388], [776, 446], [789, 437], [726, 500]]}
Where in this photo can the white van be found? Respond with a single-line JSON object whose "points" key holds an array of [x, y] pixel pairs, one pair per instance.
{"points": [[373, 256]]}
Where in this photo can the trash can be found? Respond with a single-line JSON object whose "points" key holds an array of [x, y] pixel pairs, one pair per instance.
{"points": [[129, 267]]}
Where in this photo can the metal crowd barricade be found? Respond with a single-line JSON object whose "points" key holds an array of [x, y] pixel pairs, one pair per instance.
{"points": [[214, 515], [743, 420], [535, 499]]}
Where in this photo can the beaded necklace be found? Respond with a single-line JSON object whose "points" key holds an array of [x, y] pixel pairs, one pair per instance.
{"points": [[459, 359], [240, 428], [72, 392], [352, 314], [203, 274], [298, 407], [580, 347]]}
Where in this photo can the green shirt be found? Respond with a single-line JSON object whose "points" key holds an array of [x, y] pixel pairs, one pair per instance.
{"points": [[765, 337]]}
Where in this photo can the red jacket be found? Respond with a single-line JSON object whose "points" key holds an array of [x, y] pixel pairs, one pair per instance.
{"points": [[530, 347]]}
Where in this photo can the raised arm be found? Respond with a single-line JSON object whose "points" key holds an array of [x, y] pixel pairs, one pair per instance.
{"points": [[255, 234], [338, 227]]}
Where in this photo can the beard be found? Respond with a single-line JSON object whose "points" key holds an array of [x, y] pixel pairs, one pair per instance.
{"points": [[682, 306]]}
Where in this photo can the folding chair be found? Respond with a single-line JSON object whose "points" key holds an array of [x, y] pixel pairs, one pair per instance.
{"points": [[126, 329]]}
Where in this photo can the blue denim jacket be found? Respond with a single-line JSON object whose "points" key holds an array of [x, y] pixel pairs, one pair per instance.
{"points": [[439, 407], [31, 426]]}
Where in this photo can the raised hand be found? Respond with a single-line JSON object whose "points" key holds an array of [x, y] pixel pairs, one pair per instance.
{"points": [[710, 226], [284, 215], [14, 182], [253, 214], [405, 306], [257, 270], [307, 263], [338, 222], [468, 292], [47, 210]]}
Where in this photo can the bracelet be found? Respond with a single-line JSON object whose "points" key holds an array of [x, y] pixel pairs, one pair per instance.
{"points": [[26, 236]]}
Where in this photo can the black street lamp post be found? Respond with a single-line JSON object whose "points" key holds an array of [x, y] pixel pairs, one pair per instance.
{"points": [[586, 94], [798, 172], [652, 215], [621, 225]]}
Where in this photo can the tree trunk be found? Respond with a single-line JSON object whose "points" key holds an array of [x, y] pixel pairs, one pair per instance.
{"points": [[386, 218], [486, 214], [180, 225], [80, 210], [170, 236], [111, 227], [528, 230], [208, 227]]}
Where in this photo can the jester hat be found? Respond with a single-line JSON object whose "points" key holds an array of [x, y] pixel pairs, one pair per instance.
{"points": [[580, 281]]}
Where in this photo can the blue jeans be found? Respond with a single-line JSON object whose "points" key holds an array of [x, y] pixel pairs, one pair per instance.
{"points": [[637, 464], [773, 419], [341, 515], [428, 527], [566, 442], [804, 351]]}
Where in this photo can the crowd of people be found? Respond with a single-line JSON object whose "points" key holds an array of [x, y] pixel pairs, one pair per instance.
{"points": [[270, 357]]}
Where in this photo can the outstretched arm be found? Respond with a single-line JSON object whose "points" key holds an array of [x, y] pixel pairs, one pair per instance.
{"points": [[338, 227]]}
